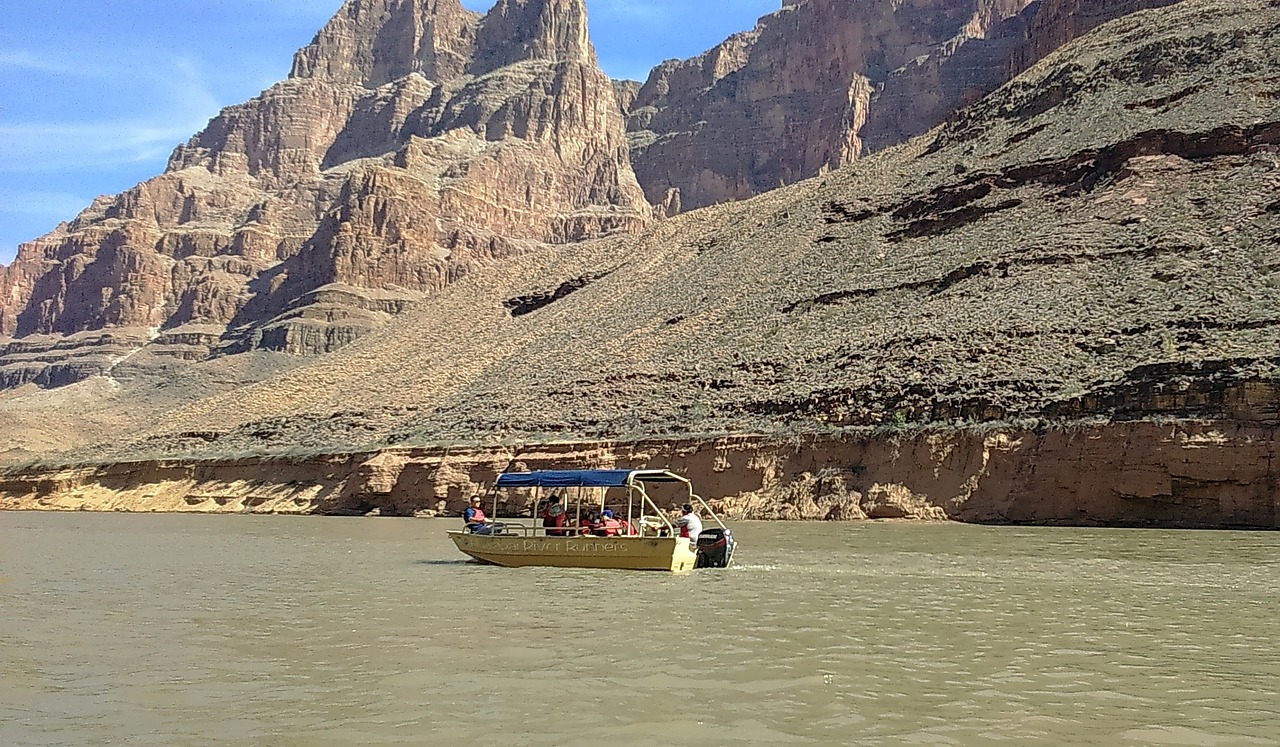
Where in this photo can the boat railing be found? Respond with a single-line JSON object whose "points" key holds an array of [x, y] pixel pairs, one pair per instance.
{"points": [[694, 499], [647, 526], [659, 518], [653, 521], [698, 500]]}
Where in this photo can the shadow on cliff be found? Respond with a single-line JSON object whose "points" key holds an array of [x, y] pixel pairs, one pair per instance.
{"points": [[280, 288]]}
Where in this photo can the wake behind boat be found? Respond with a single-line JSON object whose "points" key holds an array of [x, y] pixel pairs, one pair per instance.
{"points": [[587, 532]]}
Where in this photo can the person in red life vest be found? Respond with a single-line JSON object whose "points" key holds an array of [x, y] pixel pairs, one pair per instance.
{"points": [[475, 519], [625, 529], [554, 518], [607, 526], [587, 523]]}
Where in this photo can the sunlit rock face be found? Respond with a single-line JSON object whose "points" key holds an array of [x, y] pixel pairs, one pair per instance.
{"points": [[813, 87], [415, 141], [821, 83], [412, 142]]}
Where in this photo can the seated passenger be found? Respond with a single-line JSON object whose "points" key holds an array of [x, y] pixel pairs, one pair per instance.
{"points": [[554, 518], [689, 524], [474, 518], [625, 529], [607, 526], [587, 523]]}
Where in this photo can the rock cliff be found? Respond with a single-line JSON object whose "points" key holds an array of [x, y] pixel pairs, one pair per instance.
{"points": [[813, 87], [1060, 21], [1131, 474], [1011, 265], [821, 83], [1082, 267], [413, 142]]}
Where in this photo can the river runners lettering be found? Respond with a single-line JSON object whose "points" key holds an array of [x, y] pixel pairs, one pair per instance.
{"points": [[568, 545]]}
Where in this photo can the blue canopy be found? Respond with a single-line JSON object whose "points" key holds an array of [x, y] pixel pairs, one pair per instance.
{"points": [[581, 478]]}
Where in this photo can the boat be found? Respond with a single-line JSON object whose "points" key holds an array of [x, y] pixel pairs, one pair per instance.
{"points": [[650, 541]]}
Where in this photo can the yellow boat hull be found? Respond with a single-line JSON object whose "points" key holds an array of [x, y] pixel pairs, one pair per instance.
{"points": [[623, 553]]}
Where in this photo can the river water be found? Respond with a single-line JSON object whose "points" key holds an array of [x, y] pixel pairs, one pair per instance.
{"points": [[247, 630]]}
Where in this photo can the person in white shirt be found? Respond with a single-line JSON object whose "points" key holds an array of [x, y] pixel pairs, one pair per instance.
{"points": [[690, 525]]}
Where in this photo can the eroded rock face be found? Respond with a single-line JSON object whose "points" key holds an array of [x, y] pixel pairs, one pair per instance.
{"points": [[1061, 21], [415, 141], [1013, 266], [434, 38], [822, 83], [803, 92], [897, 501], [1187, 475], [412, 141], [1017, 319]]}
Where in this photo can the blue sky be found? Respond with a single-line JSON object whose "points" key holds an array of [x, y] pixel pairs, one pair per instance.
{"points": [[95, 94]]}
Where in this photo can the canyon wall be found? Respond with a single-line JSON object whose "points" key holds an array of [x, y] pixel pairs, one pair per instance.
{"points": [[416, 141], [1013, 266], [413, 142], [811, 88], [822, 83], [1187, 474], [1059, 22]]}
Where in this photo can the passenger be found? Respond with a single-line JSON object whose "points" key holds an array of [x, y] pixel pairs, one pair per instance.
{"points": [[607, 526], [474, 517], [587, 523], [625, 529], [554, 518], [690, 525]]}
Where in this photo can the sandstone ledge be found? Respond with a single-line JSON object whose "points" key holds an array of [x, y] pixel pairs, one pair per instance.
{"points": [[1206, 474]]}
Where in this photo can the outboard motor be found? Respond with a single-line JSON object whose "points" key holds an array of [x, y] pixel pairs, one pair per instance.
{"points": [[715, 548]]}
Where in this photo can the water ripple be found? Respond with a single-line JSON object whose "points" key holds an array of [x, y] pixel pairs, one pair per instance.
{"points": [[170, 630]]}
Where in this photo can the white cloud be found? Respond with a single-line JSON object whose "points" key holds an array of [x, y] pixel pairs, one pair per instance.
{"points": [[58, 146], [184, 105], [21, 59], [58, 205]]}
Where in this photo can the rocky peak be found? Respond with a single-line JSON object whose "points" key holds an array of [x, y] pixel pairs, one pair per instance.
{"points": [[814, 86], [519, 30], [697, 73], [374, 42], [413, 142]]}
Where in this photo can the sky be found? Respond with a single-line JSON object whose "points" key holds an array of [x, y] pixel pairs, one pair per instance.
{"points": [[95, 94]]}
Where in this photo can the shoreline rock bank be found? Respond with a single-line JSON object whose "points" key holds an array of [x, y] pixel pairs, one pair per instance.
{"points": [[1186, 474]]}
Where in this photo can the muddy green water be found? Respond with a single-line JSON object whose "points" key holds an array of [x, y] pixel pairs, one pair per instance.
{"points": [[241, 630]]}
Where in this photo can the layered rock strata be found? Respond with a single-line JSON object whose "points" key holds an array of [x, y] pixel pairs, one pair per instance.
{"points": [[1084, 264], [413, 142], [1013, 266], [820, 84], [811, 88], [1137, 474]]}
